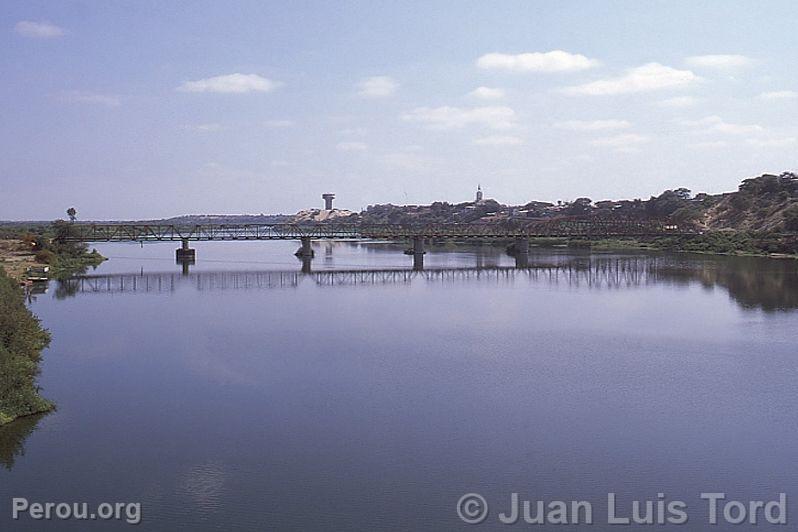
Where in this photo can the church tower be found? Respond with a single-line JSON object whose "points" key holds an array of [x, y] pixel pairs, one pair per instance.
{"points": [[479, 193]]}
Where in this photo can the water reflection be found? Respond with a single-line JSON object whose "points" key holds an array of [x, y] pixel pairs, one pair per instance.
{"points": [[262, 397], [204, 485], [770, 285], [12, 439]]}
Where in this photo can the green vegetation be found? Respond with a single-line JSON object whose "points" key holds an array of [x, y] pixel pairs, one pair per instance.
{"points": [[65, 258], [22, 340], [716, 242]]}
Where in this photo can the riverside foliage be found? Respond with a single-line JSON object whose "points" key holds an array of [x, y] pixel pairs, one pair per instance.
{"points": [[22, 340]]}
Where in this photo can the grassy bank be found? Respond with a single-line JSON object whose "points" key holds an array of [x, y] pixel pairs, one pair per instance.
{"points": [[716, 243], [39, 245], [67, 265], [22, 340]]}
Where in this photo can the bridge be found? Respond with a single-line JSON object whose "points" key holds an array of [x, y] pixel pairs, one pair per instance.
{"points": [[518, 232], [556, 227]]}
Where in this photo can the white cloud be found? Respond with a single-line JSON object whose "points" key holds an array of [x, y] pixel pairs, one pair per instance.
{"points": [[230, 84], [353, 131], [554, 61], [779, 95], [279, 123], [499, 140], [351, 146], [710, 145], [206, 128], [592, 125], [93, 98], [487, 93], [715, 124], [620, 141], [772, 143], [38, 30], [377, 87], [494, 117], [719, 61], [648, 77], [679, 101]]}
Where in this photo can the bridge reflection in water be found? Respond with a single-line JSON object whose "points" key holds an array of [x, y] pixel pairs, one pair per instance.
{"points": [[603, 272]]}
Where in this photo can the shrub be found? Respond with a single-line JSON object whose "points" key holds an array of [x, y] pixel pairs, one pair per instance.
{"points": [[791, 217], [45, 256], [21, 342]]}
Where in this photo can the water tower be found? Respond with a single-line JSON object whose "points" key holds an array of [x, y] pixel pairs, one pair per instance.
{"points": [[328, 201]]}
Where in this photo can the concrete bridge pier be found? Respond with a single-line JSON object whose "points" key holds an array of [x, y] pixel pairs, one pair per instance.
{"points": [[418, 262], [418, 253], [418, 245], [306, 264], [522, 253], [305, 250], [184, 253]]}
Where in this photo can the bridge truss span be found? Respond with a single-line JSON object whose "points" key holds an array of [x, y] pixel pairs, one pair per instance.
{"points": [[556, 227]]}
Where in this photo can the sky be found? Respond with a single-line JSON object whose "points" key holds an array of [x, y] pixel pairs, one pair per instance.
{"points": [[133, 110]]}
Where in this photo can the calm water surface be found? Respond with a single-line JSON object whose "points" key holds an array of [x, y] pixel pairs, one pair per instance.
{"points": [[249, 396]]}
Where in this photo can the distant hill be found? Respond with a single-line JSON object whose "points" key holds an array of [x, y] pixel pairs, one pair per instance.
{"points": [[768, 203], [763, 204], [195, 219]]}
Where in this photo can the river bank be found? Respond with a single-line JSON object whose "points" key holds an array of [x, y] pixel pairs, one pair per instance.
{"points": [[16, 257], [738, 244], [22, 340], [24, 250]]}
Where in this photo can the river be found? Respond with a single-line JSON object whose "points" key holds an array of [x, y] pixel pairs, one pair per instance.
{"points": [[247, 395]]}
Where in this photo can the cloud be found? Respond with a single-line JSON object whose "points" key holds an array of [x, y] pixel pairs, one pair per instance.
{"points": [[93, 98], [377, 87], [353, 131], [624, 141], [38, 30], [351, 146], [498, 140], [230, 84], [772, 143], [554, 61], [679, 101], [487, 93], [206, 128], [279, 123], [715, 124], [710, 145], [494, 117], [592, 125], [779, 95], [648, 77], [719, 61]]}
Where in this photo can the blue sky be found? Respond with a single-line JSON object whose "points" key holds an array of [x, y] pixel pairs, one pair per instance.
{"points": [[150, 109]]}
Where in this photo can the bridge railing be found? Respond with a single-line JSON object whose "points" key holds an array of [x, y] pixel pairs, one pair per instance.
{"points": [[557, 227]]}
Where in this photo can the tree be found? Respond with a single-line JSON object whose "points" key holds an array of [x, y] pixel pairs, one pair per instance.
{"points": [[72, 213], [63, 242], [580, 206]]}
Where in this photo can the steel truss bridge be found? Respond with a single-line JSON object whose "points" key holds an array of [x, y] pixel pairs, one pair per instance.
{"points": [[599, 273], [560, 227]]}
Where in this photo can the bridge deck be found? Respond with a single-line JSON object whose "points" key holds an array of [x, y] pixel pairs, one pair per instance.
{"points": [[542, 228]]}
